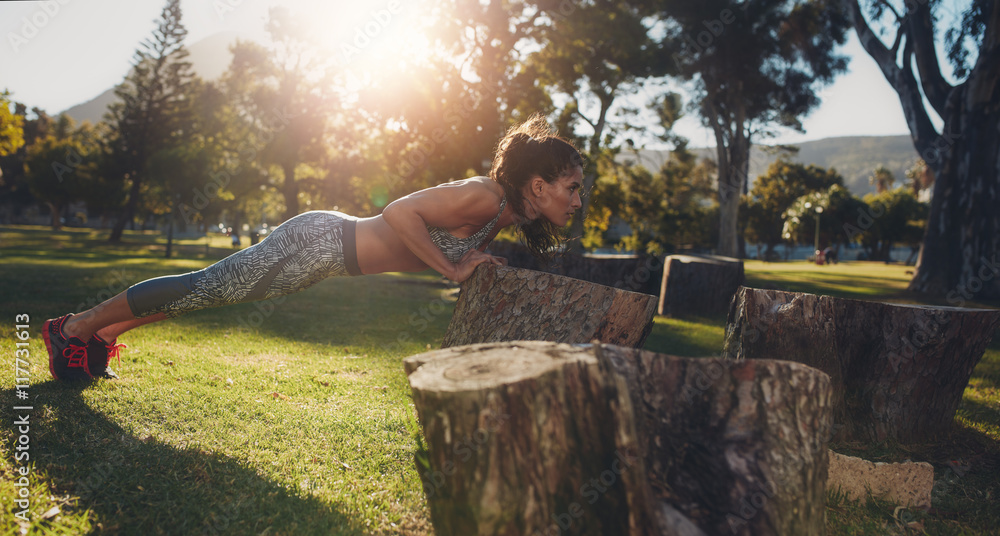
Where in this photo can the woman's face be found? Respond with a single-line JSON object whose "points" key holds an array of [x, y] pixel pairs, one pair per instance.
{"points": [[555, 201]]}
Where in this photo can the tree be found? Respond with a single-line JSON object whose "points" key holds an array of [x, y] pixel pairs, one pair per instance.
{"points": [[61, 166], [152, 110], [288, 99], [11, 127], [833, 206], [920, 175], [761, 212], [882, 179], [592, 53], [667, 210], [440, 116], [15, 193], [752, 65], [962, 239], [897, 218]]}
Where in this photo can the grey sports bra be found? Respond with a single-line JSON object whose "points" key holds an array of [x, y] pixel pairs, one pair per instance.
{"points": [[453, 248]]}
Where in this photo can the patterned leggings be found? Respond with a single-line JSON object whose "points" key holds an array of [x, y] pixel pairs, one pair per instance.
{"points": [[298, 254]]}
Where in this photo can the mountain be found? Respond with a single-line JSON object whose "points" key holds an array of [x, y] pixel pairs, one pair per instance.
{"points": [[209, 57], [854, 157]]}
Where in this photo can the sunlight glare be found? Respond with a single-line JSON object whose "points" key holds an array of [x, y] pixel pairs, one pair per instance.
{"points": [[368, 40]]}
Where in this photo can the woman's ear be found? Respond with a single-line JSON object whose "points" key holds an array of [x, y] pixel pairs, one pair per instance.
{"points": [[537, 185]]}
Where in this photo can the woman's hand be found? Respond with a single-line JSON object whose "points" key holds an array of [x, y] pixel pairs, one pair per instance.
{"points": [[472, 258]]}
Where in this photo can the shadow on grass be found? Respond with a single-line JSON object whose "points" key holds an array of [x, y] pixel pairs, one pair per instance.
{"points": [[133, 485]]}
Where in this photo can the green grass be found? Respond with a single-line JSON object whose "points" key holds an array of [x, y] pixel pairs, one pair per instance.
{"points": [[297, 418]]}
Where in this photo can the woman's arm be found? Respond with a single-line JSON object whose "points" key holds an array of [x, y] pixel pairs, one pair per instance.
{"points": [[449, 206]]}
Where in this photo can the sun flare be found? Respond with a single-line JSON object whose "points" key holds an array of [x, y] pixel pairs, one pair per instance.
{"points": [[369, 39]]}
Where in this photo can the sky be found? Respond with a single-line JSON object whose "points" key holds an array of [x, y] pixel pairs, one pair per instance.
{"points": [[58, 53]]}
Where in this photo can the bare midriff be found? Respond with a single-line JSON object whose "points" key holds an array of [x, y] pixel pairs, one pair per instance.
{"points": [[381, 250]]}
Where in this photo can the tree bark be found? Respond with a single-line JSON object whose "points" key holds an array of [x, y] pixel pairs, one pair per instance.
{"points": [[639, 273], [733, 154], [960, 258], [500, 303], [290, 190], [536, 437], [701, 285], [898, 371]]}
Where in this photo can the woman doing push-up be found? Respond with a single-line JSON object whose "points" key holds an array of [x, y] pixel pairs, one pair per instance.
{"points": [[534, 184]]}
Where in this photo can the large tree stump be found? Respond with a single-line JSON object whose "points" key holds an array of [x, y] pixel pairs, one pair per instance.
{"points": [[638, 273], [535, 437], [702, 285], [499, 303], [898, 371]]}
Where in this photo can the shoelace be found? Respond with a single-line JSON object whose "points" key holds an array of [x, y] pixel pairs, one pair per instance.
{"points": [[76, 356], [114, 351]]}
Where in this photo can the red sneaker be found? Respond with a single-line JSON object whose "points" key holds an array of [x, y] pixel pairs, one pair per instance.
{"points": [[99, 353], [67, 355]]}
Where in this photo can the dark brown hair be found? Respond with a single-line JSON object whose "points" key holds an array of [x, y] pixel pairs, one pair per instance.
{"points": [[528, 150]]}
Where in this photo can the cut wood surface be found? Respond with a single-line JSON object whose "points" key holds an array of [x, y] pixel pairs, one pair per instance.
{"points": [[898, 371], [499, 303], [699, 285], [638, 273], [542, 438]]}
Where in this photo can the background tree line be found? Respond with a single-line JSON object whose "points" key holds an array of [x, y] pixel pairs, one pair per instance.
{"points": [[288, 128]]}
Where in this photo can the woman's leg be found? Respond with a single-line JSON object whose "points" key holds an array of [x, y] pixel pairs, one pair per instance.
{"points": [[103, 316], [299, 253], [107, 320]]}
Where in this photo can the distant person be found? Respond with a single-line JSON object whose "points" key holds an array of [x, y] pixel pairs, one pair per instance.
{"points": [[236, 240], [534, 185], [830, 254]]}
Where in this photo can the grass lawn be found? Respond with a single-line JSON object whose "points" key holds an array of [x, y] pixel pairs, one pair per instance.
{"points": [[295, 417]]}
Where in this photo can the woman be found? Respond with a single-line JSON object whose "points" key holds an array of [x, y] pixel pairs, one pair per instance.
{"points": [[534, 184]]}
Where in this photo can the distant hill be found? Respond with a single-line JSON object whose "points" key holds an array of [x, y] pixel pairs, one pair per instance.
{"points": [[94, 109], [854, 157], [209, 58]]}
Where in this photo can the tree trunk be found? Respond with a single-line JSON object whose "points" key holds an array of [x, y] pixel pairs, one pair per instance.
{"points": [[532, 438], [701, 285], [733, 153], [129, 213], [960, 258], [500, 303], [961, 254], [898, 371], [170, 233], [56, 212], [290, 191]]}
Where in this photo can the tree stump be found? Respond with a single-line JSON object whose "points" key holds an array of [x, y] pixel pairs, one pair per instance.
{"points": [[539, 438], [499, 303], [702, 285], [638, 273], [898, 371]]}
